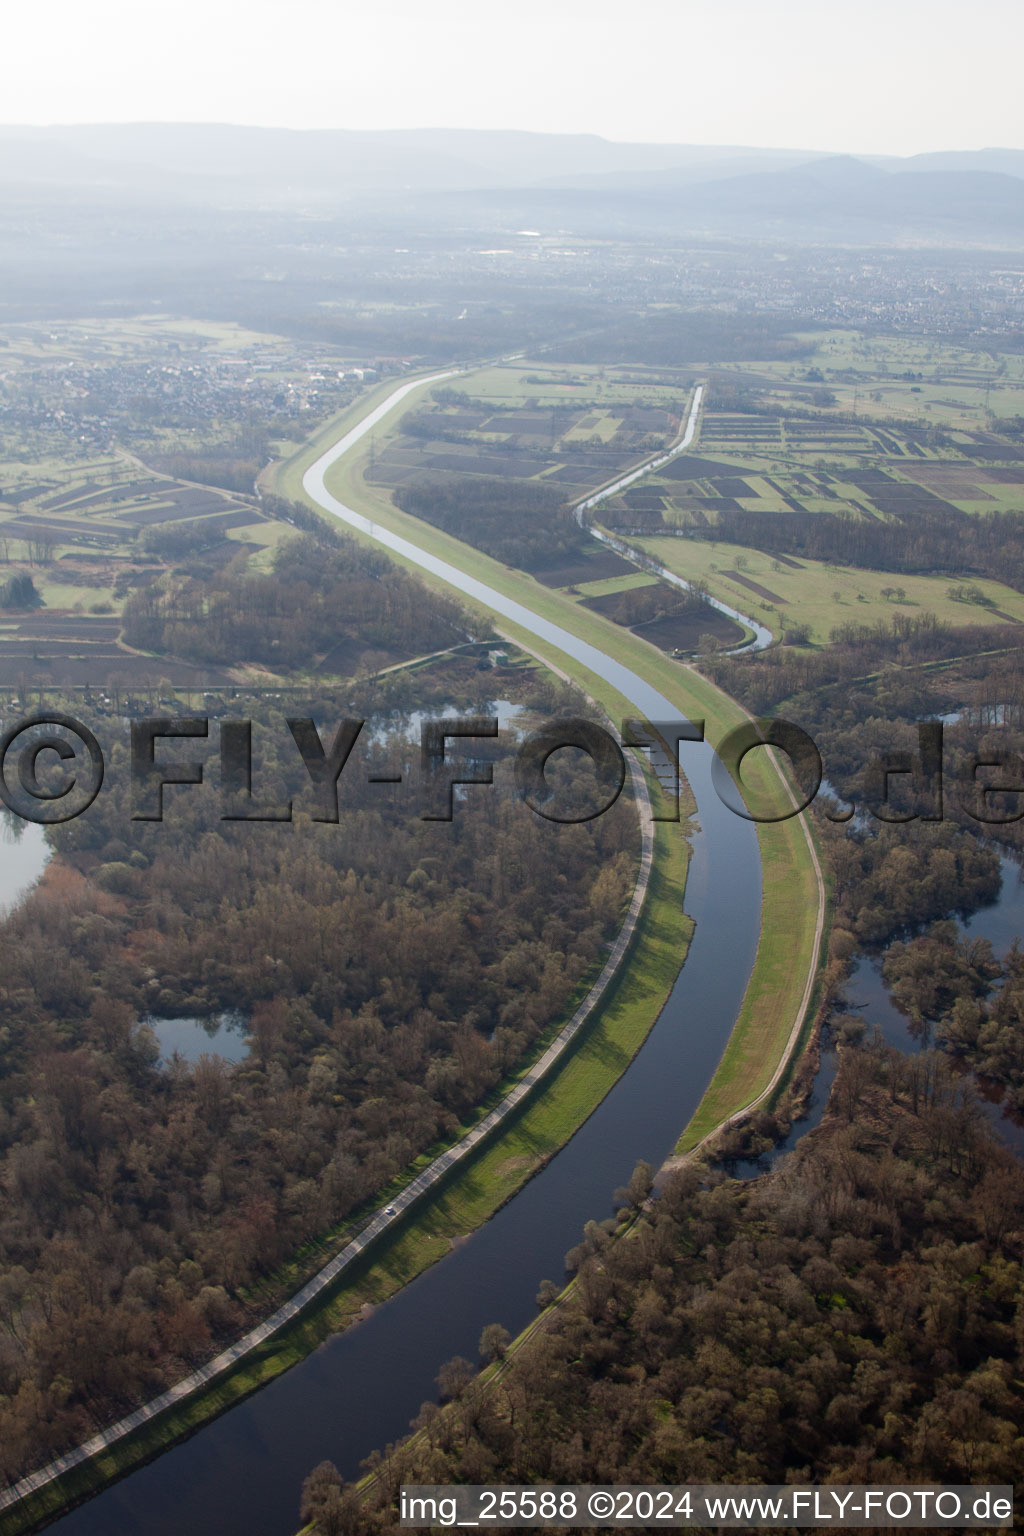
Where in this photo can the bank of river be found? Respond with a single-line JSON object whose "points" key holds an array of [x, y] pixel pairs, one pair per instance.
{"points": [[240, 1475]]}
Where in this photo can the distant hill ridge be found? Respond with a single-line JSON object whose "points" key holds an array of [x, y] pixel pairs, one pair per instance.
{"points": [[572, 179], [430, 157]]}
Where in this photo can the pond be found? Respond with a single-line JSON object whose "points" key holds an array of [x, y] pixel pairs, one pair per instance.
{"points": [[225, 1035]]}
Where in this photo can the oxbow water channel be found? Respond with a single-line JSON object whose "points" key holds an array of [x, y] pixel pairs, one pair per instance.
{"points": [[241, 1474], [867, 996]]}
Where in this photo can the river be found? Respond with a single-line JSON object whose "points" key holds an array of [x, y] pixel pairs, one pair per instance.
{"points": [[241, 1474]]}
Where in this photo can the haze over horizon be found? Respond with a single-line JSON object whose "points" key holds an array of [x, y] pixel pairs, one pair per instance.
{"points": [[892, 81], [427, 129]]}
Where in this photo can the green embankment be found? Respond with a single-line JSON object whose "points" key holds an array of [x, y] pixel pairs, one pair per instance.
{"points": [[633, 1002], [790, 888]]}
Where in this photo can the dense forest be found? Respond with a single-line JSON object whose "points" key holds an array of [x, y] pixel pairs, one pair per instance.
{"points": [[765, 681], [520, 522], [390, 970], [857, 1314], [855, 1317], [327, 600]]}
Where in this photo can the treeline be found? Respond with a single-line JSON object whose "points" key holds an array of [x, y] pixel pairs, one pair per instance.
{"points": [[763, 680], [181, 541], [19, 591], [230, 472], [319, 596], [523, 523], [434, 333], [853, 1318], [950, 542], [956, 993], [445, 395], [891, 878], [391, 971]]}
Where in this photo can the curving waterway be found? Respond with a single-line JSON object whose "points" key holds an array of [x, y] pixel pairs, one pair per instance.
{"points": [[241, 1474]]}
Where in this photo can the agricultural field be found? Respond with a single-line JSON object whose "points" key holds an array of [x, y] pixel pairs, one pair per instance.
{"points": [[850, 431], [126, 447], [568, 428], [668, 618], [87, 534], [740, 466], [930, 380], [78, 521], [877, 428], [784, 593]]}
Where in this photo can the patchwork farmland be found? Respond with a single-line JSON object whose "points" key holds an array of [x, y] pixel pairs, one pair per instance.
{"points": [[81, 535]]}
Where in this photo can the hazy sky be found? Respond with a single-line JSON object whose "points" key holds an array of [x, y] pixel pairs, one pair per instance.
{"points": [[892, 76]]}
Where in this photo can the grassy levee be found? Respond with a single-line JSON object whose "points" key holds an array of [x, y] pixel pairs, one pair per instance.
{"points": [[792, 906], [584, 1075], [629, 1009], [784, 956]]}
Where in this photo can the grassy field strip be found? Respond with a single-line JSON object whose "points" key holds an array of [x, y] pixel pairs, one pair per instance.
{"points": [[823, 596], [616, 584], [745, 1062], [633, 1001]]}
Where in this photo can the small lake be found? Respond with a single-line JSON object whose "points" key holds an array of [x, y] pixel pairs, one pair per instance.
{"points": [[225, 1035], [409, 721], [24, 854]]}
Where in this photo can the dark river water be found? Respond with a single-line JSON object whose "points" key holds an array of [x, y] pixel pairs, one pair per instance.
{"points": [[241, 1475]]}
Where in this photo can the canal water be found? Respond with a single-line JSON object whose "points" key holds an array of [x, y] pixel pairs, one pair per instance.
{"points": [[241, 1475]]}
